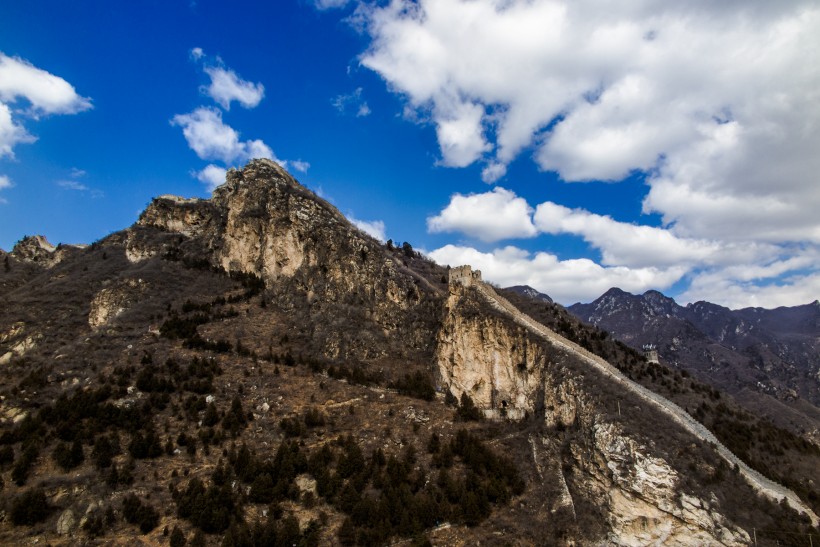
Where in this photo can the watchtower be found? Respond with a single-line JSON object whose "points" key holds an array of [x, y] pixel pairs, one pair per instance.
{"points": [[464, 275], [650, 351]]}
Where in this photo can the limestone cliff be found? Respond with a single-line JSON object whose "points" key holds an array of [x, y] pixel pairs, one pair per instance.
{"points": [[498, 365], [37, 250], [113, 301], [512, 370], [264, 223]]}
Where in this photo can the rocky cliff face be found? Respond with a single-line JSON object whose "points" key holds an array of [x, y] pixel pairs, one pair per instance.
{"points": [[510, 373], [37, 250], [263, 223], [110, 302]]}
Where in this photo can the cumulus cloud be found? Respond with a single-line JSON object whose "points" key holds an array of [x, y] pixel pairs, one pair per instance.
{"points": [[374, 228], [729, 124], [212, 176], [44, 94], [11, 133], [566, 281], [491, 216], [732, 273], [212, 139], [5, 182], [226, 86], [621, 243], [352, 103], [493, 172], [299, 165], [794, 290], [47, 93]]}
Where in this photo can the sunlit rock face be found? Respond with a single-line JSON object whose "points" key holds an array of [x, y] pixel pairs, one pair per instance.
{"points": [[510, 374], [264, 223]]}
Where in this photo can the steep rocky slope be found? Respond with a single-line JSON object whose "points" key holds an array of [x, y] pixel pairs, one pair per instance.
{"points": [[252, 369]]}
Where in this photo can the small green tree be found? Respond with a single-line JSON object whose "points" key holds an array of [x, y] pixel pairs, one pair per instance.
{"points": [[30, 508], [177, 538], [467, 410]]}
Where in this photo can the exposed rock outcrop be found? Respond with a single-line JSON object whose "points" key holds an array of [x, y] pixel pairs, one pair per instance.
{"points": [[511, 366], [38, 250], [112, 301], [16, 341], [263, 223]]}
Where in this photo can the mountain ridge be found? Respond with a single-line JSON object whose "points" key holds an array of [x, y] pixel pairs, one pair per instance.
{"points": [[240, 357]]}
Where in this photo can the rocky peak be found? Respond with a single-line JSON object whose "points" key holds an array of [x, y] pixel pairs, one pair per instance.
{"points": [[37, 250], [262, 222], [660, 304], [706, 308], [33, 244], [529, 292]]}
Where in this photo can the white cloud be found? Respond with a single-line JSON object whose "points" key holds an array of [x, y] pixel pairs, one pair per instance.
{"points": [[226, 86], [72, 185], [48, 94], [45, 93], [792, 291], [727, 125], [633, 245], [258, 149], [374, 228], [5, 182], [461, 135], [732, 273], [212, 139], [11, 133], [566, 281], [493, 172], [491, 216], [330, 4], [352, 102], [299, 165], [212, 176]]}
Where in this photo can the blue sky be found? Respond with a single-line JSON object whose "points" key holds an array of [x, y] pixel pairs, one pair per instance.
{"points": [[545, 142]]}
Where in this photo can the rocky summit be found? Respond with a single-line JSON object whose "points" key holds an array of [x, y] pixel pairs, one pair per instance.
{"points": [[252, 369]]}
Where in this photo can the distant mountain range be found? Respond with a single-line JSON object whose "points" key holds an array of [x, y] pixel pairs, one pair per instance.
{"points": [[748, 352]]}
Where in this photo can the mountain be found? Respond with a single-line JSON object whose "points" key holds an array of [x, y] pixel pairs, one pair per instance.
{"points": [[770, 359], [528, 292], [252, 369]]}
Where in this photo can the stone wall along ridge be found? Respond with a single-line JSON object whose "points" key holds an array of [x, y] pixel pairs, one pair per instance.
{"points": [[777, 492]]}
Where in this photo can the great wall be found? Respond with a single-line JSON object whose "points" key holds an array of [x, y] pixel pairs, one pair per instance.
{"points": [[466, 277]]}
